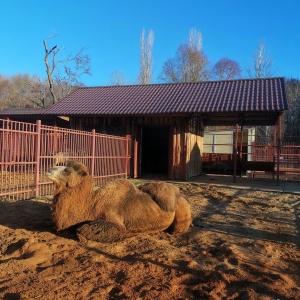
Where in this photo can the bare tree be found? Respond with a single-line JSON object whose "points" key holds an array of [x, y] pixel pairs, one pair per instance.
{"points": [[51, 67], [40, 95], [189, 64], [4, 92], [195, 39], [226, 69], [65, 73], [261, 65], [169, 73], [146, 61], [292, 116], [18, 91], [117, 78]]}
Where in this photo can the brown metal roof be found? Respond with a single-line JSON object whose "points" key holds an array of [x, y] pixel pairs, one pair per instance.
{"points": [[21, 111], [248, 95], [32, 115]]}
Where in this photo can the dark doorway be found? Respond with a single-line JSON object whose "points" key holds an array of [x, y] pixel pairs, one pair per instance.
{"points": [[155, 148]]}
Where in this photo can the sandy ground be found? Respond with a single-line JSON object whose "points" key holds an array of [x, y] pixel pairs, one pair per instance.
{"points": [[244, 244]]}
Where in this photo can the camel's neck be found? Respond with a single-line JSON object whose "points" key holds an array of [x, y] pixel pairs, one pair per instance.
{"points": [[72, 205], [59, 188]]}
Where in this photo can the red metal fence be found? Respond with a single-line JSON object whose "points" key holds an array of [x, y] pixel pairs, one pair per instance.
{"points": [[290, 157], [219, 157], [27, 151]]}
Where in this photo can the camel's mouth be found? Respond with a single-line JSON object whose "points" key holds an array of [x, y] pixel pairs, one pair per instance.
{"points": [[54, 172], [56, 169]]}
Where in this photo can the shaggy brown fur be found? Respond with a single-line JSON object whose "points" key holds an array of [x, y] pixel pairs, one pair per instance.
{"points": [[117, 210]]}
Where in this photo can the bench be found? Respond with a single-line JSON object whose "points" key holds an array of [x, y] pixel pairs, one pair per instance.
{"points": [[267, 166]]}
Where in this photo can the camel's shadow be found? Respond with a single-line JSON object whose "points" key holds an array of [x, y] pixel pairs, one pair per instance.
{"points": [[32, 214]]}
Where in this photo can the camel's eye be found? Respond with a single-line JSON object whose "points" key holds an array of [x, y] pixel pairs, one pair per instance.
{"points": [[66, 170]]}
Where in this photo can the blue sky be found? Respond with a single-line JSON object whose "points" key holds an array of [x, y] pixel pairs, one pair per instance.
{"points": [[110, 30]]}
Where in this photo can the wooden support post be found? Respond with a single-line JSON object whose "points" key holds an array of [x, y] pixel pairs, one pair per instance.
{"points": [[278, 147], [241, 148], [135, 157], [235, 152], [171, 153], [137, 151], [274, 150]]}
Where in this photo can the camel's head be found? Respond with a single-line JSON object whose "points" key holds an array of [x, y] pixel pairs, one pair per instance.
{"points": [[68, 176]]}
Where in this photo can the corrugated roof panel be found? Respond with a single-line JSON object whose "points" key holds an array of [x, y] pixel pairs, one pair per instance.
{"points": [[204, 97], [22, 111]]}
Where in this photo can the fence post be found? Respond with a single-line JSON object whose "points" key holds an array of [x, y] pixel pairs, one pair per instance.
{"points": [[37, 157], [55, 143], [127, 155], [93, 152], [4, 145], [9, 138]]}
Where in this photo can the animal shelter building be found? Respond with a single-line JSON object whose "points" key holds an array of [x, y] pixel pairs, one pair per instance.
{"points": [[167, 121]]}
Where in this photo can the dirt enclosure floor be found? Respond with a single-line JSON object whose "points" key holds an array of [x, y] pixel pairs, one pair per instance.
{"points": [[244, 244]]}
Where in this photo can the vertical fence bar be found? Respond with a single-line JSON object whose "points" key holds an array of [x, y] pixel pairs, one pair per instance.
{"points": [[127, 155], [93, 152], [55, 138], [37, 157], [8, 144], [4, 146]]}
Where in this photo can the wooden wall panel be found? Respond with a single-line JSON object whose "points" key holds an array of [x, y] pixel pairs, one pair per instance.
{"points": [[186, 142], [194, 155]]}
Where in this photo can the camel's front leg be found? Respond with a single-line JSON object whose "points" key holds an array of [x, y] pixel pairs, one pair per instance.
{"points": [[101, 231]]}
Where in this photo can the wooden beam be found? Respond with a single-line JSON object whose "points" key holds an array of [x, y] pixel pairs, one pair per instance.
{"points": [[241, 146], [278, 146], [171, 152], [235, 152], [135, 158]]}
